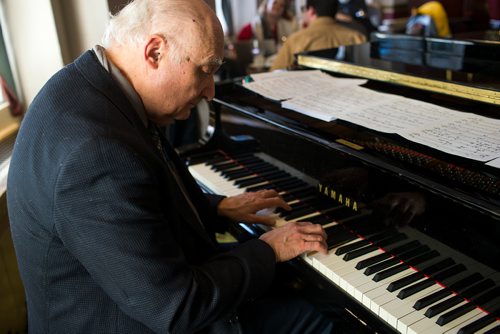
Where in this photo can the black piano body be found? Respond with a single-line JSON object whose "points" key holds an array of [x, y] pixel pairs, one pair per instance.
{"points": [[354, 174]]}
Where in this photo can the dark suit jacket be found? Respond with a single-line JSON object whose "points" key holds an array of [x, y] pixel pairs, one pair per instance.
{"points": [[105, 242]]}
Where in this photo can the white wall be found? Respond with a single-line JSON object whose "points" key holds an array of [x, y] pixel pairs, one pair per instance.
{"points": [[47, 34], [243, 12], [80, 25], [33, 35]]}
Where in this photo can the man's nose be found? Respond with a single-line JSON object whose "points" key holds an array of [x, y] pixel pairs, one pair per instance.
{"points": [[209, 89]]}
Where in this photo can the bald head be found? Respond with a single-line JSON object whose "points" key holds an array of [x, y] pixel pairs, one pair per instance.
{"points": [[169, 50], [142, 18]]}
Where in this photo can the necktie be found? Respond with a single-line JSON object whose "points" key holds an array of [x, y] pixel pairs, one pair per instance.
{"points": [[157, 139]]}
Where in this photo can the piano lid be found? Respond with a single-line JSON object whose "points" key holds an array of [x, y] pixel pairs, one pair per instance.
{"points": [[463, 68]]}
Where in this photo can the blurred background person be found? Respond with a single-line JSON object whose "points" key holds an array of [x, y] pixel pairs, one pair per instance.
{"points": [[322, 32], [272, 25], [429, 19]]}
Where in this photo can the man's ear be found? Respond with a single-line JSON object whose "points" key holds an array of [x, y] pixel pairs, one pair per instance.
{"points": [[154, 50]]}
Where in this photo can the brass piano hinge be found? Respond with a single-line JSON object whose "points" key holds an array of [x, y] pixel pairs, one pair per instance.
{"points": [[449, 88], [349, 144]]}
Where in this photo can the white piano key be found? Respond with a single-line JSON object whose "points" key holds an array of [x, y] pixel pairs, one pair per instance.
{"points": [[397, 308], [344, 283], [425, 323]]}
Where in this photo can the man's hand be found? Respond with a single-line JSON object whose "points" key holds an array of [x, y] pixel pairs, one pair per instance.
{"points": [[295, 238], [243, 208]]}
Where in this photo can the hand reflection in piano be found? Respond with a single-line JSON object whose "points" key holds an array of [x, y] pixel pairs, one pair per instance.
{"points": [[399, 208]]}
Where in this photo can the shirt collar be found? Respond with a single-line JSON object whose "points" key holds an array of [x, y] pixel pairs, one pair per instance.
{"points": [[123, 82]]}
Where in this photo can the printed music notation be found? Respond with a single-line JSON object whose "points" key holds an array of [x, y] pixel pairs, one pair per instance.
{"points": [[324, 97]]}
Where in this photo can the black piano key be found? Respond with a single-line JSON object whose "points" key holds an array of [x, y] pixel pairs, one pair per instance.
{"points": [[216, 159], [466, 282], [319, 219], [267, 185], [293, 206], [411, 290], [422, 258], [480, 323], [380, 266], [455, 300], [242, 155], [248, 160], [438, 295], [391, 262], [250, 181], [298, 192], [363, 243], [237, 174], [225, 166], [221, 163], [371, 261], [441, 294], [249, 169], [300, 212], [352, 255], [495, 330], [429, 270], [293, 184], [351, 247], [443, 306], [280, 178], [461, 310], [401, 267], [339, 239], [260, 167], [381, 257], [272, 174], [276, 184], [455, 313], [297, 209]]}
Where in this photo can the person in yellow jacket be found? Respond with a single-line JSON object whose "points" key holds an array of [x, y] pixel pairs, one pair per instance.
{"points": [[436, 11]]}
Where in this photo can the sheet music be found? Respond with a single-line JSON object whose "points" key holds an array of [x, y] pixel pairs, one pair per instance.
{"points": [[374, 110], [285, 85], [321, 96], [472, 137]]}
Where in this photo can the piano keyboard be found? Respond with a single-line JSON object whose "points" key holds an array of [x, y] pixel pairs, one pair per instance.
{"points": [[412, 282]]}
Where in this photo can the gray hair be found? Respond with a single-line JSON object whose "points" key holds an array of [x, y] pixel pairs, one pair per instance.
{"points": [[143, 18]]}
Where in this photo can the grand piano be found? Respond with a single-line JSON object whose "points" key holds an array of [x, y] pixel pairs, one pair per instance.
{"points": [[413, 232]]}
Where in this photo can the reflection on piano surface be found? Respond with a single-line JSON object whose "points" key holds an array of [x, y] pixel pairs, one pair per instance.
{"points": [[413, 233]]}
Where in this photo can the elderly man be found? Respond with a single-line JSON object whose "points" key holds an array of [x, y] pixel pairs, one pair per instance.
{"points": [[111, 232]]}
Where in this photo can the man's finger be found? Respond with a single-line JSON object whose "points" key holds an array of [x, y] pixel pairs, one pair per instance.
{"points": [[271, 203]]}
